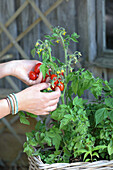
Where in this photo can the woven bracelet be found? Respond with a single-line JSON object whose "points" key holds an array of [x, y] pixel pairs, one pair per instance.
{"points": [[11, 103], [16, 103]]}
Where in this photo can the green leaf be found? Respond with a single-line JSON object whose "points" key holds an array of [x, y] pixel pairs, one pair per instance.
{"points": [[74, 85], [66, 151], [43, 69], [99, 147], [81, 151], [31, 115], [33, 52], [86, 154], [96, 154], [64, 122], [87, 160], [110, 148], [100, 115], [59, 113], [24, 121], [75, 35], [23, 118], [109, 102], [110, 114], [111, 83], [29, 135], [74, 39], [56, 141], [78, 102], [29, 150], [37, 152], [47, 139], [33, 142]]}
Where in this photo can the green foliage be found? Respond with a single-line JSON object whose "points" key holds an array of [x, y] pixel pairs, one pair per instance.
{"points": [[79, 128]]}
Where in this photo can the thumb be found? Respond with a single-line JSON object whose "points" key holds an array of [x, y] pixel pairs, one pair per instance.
{"points": [[43, 86], [39, 79]]}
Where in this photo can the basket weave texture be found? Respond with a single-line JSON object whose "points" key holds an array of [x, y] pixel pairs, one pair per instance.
{"points": [[35, 163]]}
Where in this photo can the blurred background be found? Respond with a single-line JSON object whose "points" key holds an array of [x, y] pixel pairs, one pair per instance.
{"points": [[22, 22]]}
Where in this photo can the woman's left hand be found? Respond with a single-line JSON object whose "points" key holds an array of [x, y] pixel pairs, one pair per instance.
{"points": [[21, 69]]}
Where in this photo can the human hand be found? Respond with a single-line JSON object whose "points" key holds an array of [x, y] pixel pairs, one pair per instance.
{"points": [[39, 103], [21, 69]]}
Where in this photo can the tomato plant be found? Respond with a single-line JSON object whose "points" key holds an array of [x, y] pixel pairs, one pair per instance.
{"points": [[79, 129]]}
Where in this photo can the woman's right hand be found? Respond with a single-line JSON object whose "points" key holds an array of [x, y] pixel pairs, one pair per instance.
{"points": [[39, 103]]}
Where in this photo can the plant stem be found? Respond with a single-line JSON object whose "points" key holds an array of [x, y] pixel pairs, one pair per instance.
{"points": [[49, 50], [65, 70], [62, 98]]}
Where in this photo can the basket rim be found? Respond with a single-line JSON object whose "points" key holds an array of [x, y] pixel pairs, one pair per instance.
{"points": [[97, 164]]}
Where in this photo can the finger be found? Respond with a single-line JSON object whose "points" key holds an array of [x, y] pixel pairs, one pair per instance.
{"points": [[43, 86], [41, 113], [45, 113], [51, 108], [39, 79], [54, 95], [48, 79], [53, 102]]}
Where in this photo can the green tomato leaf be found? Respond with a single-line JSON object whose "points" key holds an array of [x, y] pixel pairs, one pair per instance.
{"points": [[31, 115], [23, 118], [110, 148], [100, 115], [78, 102], [33, 52], [110, 114], [74, 85], [109, 102]]}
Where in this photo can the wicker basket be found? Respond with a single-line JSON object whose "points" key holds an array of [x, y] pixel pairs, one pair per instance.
{"points": [[35, 163]]}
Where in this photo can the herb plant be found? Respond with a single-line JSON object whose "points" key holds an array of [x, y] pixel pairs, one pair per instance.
{"points": [[79, 130]]}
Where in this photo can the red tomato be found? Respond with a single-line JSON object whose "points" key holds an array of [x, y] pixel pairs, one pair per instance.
{"points": [[37, 68], [61, 73], [53, 88], [61, 86], [32, 75], [43, 80], [54, 77]]}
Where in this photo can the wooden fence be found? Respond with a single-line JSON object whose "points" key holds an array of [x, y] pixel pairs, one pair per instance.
{"points": [[25, 21]]}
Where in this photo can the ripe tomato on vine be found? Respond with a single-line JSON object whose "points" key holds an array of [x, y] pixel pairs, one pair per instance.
{"points": [[37, 68]]}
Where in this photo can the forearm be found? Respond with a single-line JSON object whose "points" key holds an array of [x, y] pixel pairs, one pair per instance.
{"points": [[5, 69], [4, 108]]}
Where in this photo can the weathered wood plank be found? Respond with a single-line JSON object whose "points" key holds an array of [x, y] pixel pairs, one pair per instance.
{"points": [[6, 11], [66, 18], [20, 50]]}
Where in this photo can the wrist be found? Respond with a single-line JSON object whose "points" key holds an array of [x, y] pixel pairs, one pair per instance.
{"points": [[6, 69], [4, 108]]}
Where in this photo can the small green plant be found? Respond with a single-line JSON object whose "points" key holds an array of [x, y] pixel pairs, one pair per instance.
{"points": [[79, 129]]}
